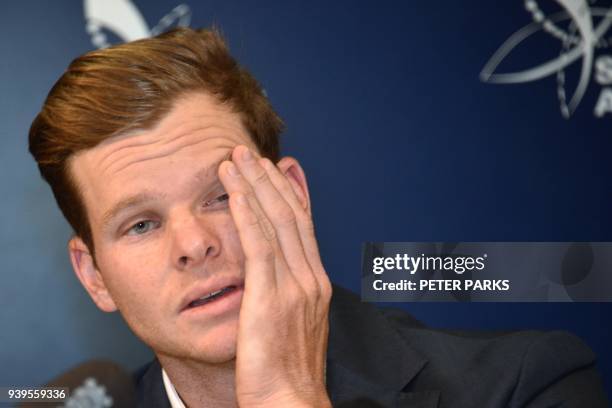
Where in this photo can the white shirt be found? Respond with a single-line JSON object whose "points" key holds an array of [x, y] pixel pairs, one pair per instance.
{"points": [[175, 400]]}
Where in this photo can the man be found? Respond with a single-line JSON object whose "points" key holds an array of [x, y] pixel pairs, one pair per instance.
{"points": [[163, 155]]}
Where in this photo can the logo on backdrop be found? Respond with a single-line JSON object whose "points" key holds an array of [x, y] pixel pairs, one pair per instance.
{"points": [[123, 20], [581, 29]]}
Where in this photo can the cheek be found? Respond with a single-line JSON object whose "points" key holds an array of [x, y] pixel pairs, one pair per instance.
{"points": [[231, 241], [131, 276]]}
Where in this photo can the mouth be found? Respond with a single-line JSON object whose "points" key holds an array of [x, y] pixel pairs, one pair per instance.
{"points": [[212, 297]]}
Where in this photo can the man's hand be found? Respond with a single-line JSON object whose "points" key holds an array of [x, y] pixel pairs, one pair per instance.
{"points": [[283, 324]]}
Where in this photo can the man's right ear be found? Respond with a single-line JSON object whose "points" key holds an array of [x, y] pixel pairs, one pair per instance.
{"points": [[89, 275]]}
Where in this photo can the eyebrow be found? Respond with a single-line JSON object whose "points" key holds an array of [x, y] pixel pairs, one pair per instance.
{"points": [[147, 196]]}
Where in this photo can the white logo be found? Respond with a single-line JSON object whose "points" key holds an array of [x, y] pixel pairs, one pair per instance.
{"points": [[89, 395], [580, 28], [123, 19]]}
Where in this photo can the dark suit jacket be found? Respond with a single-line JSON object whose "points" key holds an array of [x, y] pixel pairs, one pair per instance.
{"points": [[385, 358]]}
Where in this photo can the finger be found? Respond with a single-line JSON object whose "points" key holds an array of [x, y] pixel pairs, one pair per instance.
{"points": [[304, 219], [235, 183], [278, 211], [259, 253]]}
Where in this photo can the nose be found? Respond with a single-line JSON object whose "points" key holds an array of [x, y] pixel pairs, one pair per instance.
{"points": [[194, 241]]}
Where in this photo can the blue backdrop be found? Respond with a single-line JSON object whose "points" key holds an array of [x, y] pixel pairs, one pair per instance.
{"points": [[400, 140]]}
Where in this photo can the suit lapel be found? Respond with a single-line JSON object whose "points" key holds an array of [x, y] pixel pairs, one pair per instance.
{"points": [[151, 391], [369, 363]]}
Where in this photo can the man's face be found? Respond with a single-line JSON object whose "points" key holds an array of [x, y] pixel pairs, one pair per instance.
{"points": [[163, 232]]}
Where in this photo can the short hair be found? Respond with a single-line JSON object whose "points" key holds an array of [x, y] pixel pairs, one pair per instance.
{"points": [[131, 86]]}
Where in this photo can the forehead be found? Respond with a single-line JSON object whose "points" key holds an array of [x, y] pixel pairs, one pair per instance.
{"points": [[196, 133], [193, 119]]}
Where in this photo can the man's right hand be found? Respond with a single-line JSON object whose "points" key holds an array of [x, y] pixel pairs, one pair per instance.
{"points": [[283, 324]]}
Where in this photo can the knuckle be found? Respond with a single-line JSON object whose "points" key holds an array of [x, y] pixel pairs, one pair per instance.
{"points": [[328, 293], [315, 292], [312, 287], [302, 215], [260, 178], [268, 230], [266, 254], [326, 289], [252, 220], [286, 215], [306, 221]]}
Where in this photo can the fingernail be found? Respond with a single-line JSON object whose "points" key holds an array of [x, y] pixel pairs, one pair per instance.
{"points": [[232, 170], [247, 155]]}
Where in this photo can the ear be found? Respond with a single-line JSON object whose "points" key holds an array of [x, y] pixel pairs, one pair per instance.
{"points": [[89, 275], [291, 168]]}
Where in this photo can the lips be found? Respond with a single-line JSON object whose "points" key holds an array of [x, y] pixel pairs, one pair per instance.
{"points": [[211, 296], [210, 292]]}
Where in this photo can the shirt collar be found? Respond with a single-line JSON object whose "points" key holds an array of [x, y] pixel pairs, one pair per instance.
{"points": [[173, 397]]}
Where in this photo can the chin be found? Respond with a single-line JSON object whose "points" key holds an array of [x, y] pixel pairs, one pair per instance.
{"points": [[209, 343], [216, 345], [219, 346]]}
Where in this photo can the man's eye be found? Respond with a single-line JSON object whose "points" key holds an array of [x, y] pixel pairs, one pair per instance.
{"points": [[142, 227], [217, 200]]}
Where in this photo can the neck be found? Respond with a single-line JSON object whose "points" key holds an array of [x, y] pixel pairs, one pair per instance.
{"points": [[202, 385]]}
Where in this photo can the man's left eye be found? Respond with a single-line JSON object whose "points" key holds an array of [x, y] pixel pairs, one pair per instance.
{"points": [[216, 200]]}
